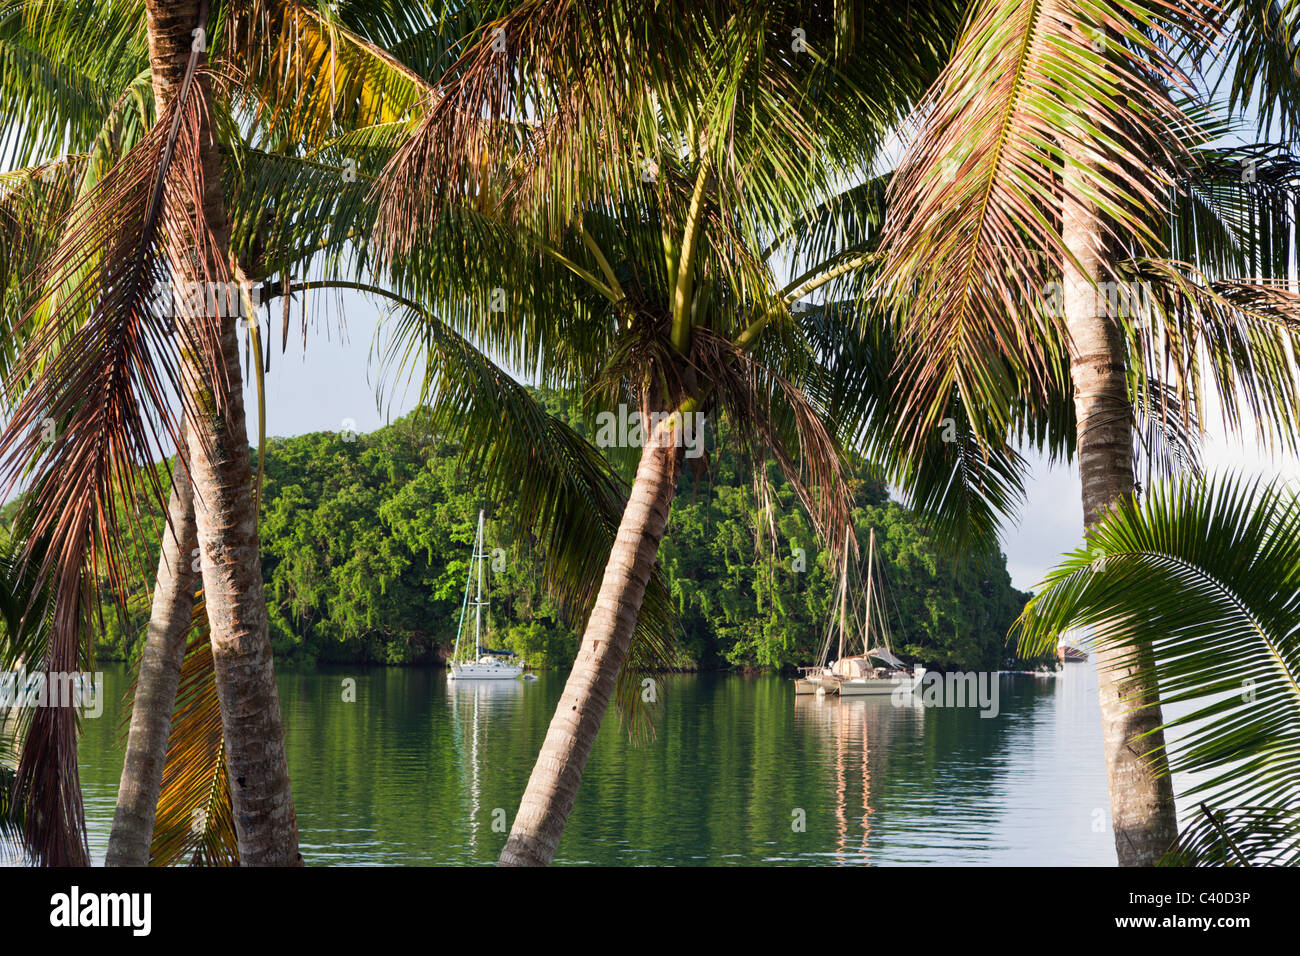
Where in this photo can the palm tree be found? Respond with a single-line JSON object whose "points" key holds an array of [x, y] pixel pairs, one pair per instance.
{"points": [[1199, 593], [608, 207], [218, 459], [158, 677], [1052, 152], [151, 216], [306, 78]]}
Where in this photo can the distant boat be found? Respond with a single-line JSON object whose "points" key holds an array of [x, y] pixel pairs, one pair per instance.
{"points": [[1071, 655], [478, 663], [876, 671]]}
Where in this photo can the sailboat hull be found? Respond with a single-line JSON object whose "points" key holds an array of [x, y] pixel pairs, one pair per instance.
{"points": [[876, 687], [480, 671]]}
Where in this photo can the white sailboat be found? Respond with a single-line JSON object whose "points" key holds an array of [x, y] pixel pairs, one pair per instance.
{"points": [[874, 672], [478, 663]]}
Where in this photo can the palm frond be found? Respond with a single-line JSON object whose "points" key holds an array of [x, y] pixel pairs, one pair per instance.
{"points": [[1230, 216], [1237, 337], [311, 77], [34, 204], [195, 822], [1259, 61], [974, 208], [964, 491], [62, 67], [93, 395], [1167, 442], [1239, 836], [1205, 575], [287, 211]]}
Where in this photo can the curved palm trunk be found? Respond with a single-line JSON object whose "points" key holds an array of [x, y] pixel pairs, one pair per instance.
{"points": [[1141, 793], [226, 516], [553, 785], [156, 683]]}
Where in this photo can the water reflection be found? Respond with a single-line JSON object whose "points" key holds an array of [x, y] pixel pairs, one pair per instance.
{"points": [[472, 705], [414, 769]]}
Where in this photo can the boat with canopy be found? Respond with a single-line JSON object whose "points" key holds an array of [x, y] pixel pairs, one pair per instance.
{"points": [[877, 670]]}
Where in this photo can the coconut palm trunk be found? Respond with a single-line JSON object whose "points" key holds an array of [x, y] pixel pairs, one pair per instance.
{"points": [[156, 682], [553, 785], [224, 509], [1141, 792]]}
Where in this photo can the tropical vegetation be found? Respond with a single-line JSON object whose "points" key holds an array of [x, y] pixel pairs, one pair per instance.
{"points": [[688, 209], [365, 541]]}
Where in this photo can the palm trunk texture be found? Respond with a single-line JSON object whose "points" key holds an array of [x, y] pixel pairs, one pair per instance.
{"points": [[226, 517], [548, 799], [156, 683], [1141, 792]]}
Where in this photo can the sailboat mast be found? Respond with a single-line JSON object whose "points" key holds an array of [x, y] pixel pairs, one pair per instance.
{"points": [[871, 575], [478, 608], [844, 592]]}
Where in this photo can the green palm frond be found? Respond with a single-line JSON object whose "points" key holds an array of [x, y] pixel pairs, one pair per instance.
{"points": [[289, 212], [424, 37], [964, 491], [1207, 575], [1230, 215], [1236, 337], [543, 308], [1240, 836], [1167, 441], [34, 204], [309, 76], [63, 65], [1260, 61]]}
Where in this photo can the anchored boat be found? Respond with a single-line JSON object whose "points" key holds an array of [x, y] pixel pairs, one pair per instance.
{"points": [[478, 663], [875, 671]]}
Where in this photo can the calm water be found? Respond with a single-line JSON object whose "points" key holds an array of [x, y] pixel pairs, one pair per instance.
{"points": [[414, 771]]}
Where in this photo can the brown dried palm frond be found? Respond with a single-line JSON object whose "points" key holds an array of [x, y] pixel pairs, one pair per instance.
{"points": [[95, 393], [563, 100], [550, 92], [195, 821], [1033, 88], [774, 418]]}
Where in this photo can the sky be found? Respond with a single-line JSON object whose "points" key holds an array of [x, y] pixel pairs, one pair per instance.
{"points": [[333, 386], [335, 382]]}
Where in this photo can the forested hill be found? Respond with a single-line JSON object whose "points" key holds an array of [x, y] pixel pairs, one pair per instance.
{"points": [[366, 539]]}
